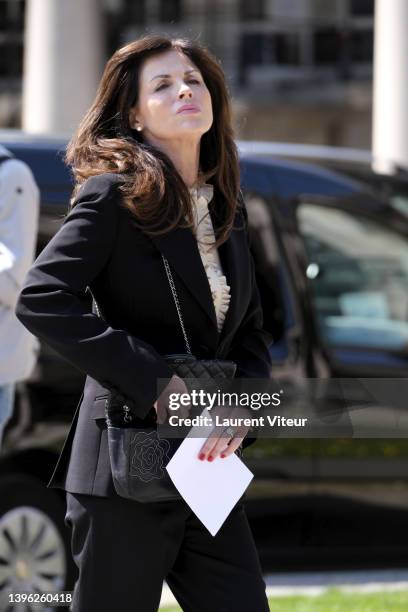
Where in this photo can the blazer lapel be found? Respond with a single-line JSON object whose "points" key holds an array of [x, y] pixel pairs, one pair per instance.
{"points": [[180, 248]]}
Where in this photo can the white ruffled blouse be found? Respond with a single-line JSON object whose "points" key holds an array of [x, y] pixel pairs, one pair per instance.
{"points": [[220, 291]]}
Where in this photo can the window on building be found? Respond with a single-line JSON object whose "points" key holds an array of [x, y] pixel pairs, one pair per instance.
{"points": [[169, 10], [11, 38], [252, 10], [362, 7], [134, 12], [265, 48], [250, 49], [286, 49], [11, 59], [326, 46], [343, 48], [11, 15], [361, 45]]}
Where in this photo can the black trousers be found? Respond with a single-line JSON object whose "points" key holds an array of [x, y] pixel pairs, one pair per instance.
{"points": [[124, 550]]}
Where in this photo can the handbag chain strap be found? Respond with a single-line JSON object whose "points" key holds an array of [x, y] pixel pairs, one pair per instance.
{"points": [[97, 308], [177, 303]]}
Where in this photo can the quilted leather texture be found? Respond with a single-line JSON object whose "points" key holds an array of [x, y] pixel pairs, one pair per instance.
{"points": [[187, 366]]}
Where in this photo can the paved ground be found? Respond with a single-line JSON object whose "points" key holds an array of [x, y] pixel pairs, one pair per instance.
{"points": [[315, 583]]}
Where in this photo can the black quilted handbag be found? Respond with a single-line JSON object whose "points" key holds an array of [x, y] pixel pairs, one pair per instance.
{"points": [[138, 454]]}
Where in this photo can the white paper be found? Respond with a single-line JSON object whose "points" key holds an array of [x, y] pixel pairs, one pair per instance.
{"points": [[211, 489]]}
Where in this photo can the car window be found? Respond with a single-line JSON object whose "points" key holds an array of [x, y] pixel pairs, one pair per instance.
{"points": [[358, 271], [399, 201]]}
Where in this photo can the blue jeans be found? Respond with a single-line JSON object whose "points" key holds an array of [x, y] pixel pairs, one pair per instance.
{"points": [[6, 406]]}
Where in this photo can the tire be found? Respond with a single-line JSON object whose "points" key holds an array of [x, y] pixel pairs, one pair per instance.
{"points": [[35, 551]]}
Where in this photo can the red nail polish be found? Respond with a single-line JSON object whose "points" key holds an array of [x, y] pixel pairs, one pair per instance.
{"points": [[222, 455], [201, 456], [210, 457]]}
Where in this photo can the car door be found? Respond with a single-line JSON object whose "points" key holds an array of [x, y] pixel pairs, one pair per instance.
{"points": [[355, 261]]}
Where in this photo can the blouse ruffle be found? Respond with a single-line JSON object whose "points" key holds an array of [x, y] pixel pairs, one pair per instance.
{"points": [[220, 290]]}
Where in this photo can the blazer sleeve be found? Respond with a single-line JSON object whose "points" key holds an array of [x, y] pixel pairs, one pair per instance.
{"points": [[53, 304], [250, 346]]}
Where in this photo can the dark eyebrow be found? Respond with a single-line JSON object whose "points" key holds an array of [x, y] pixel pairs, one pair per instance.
{"points": [[166, 76]]}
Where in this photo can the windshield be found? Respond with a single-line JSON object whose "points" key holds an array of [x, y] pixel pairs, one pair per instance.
{"points": [[399, 201]]}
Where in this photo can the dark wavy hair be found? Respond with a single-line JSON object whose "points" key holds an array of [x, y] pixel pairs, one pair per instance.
{"points": [[153, 191]]}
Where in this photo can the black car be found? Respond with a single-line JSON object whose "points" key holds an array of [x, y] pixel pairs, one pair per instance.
{"points": [[332, 268]]}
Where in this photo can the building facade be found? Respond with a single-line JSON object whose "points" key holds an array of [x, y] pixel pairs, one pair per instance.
{"points": [[314, 56]]}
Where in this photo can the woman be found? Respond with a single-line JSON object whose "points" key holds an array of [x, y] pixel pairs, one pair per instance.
{"points": [[152, 156]]}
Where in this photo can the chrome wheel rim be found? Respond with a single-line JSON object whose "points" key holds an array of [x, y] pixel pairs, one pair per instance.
{"points": [[32, 556]]}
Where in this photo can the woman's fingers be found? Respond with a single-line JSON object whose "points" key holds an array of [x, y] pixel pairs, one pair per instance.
{"points": [[207, 451], [218, 442], [232, 446], [221, 445]]}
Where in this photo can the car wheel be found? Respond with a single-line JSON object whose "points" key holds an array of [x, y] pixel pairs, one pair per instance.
{"points": [[35, 553]]}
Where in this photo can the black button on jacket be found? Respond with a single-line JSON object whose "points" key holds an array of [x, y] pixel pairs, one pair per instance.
{"points": [[98, 247]]}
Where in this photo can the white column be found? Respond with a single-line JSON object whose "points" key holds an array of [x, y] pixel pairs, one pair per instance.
{"points": [[390, 91], [63, 59]]}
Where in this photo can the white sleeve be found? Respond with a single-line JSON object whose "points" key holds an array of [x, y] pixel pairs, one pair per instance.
{"points": [[19, 209]]}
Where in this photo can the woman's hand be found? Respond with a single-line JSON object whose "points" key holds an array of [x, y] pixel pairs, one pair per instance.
{"points": [[161, 405], [219, 442]]}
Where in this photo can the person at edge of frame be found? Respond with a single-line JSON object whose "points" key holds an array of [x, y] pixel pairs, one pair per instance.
{"points": [[19, 216]]}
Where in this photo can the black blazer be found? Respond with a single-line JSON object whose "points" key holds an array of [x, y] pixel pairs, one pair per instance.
{"points": [[98, 247]]}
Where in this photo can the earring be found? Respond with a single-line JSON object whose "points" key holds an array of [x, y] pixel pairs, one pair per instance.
{"points": [[139, 128]]}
